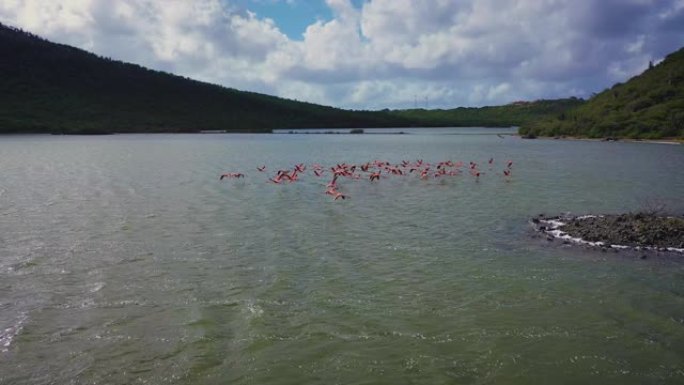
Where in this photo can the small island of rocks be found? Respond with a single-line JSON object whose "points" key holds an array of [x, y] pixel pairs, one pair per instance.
{"points": [[635, 231]]}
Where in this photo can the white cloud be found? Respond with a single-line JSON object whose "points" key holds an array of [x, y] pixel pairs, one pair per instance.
{"points": [[386, 53]]}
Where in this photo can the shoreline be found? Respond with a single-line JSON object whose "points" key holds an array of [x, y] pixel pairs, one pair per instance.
{"points": [[670, 141]]}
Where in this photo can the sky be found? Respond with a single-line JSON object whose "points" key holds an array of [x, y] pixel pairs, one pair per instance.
{"points": [[374, 54]]}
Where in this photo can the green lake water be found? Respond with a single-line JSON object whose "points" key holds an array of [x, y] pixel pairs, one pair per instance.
{"points": [[124, 260]]}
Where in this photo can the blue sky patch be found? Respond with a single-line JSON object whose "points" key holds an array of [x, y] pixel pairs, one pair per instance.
{"points": [[291, 17]]}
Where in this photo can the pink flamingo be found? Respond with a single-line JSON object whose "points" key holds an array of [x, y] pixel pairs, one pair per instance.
{"points": [[339, 195], [375, 176], [333, 182], [294, 176]]}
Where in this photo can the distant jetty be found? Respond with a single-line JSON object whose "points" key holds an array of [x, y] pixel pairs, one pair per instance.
{"points": [[316, 132], [82, 132], [345, 131], [633, 231]]}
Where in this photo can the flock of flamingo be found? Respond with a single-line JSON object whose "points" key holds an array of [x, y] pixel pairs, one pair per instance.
{"points": [[377, 170]]}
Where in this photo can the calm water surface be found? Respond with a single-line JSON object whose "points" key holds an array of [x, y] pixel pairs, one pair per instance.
{"points": [[124, 260]]}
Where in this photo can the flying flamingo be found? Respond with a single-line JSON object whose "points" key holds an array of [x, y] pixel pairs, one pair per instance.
{"points": [[294, 176], [339, 195], [333, 182], [375, 176], [280, 175], [440, 172], [283, 174]]}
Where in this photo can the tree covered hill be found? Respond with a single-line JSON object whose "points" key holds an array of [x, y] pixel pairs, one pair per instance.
{"points": [[48, 87], [648, 106], [513, 114]]}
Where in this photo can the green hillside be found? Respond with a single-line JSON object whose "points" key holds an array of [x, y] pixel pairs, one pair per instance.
{"points": [[514, 114], [648, 106], [48, 87]]}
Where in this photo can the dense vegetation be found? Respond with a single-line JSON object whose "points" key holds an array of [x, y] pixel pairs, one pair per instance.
{"points": [[648, 106], [48, 87], [514, 114]]}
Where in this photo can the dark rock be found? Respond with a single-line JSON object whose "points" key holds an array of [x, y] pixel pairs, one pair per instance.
{"points": [[637, 230]]}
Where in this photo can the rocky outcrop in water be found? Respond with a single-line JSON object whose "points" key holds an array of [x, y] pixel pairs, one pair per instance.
{"points": [[638, 231]]}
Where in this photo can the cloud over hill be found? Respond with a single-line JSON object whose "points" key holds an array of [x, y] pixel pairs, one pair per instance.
{"points": [[378, 53]]}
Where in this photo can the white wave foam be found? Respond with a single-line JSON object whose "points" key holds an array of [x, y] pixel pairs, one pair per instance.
{"points": [[588, 217], [8, 334], [552, 227], [255, 310], [95, 287]]}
